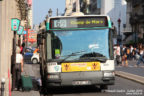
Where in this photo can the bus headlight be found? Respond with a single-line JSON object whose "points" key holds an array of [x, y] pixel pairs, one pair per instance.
{"points": [[109, 74]]}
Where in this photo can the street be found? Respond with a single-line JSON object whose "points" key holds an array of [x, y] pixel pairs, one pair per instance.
{"points": [[122, 87]]}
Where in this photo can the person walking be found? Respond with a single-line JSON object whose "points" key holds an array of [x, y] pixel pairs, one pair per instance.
{"points": [[22, 49], [131, 52], [128, 53], [134, 53], [118, 55], [141, 58], [18, 67], [124, 56]]}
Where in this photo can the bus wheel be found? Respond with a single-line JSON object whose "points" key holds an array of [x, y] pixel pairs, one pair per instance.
{"points": [[44, 92]]}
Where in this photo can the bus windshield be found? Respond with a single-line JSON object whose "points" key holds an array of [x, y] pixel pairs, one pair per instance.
{"points": [[76, 44]]}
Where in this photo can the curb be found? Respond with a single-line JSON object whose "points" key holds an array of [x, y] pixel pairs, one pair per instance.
{"points": [[130, 76]]}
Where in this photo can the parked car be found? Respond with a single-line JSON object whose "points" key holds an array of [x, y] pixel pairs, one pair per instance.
{"points": [[35, 58], [28, 54]]}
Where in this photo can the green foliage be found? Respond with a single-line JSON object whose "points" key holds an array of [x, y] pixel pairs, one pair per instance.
{"points": [[131, 42], [140, 40]]}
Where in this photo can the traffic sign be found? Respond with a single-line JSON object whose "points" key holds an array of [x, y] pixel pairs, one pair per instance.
{"points": [[15, 24], [20, 31], [24, 32]]}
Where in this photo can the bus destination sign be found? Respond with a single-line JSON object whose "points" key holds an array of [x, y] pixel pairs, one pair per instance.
{"points": [[78, 22]]}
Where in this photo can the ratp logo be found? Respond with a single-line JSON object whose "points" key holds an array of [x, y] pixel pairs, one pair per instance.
{"points": [[56, 68]]}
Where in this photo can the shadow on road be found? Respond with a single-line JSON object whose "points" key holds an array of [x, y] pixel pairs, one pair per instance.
{"points": [[76, 90]]}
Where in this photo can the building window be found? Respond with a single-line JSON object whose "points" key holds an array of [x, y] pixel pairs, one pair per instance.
{"points": [[98, 3]]}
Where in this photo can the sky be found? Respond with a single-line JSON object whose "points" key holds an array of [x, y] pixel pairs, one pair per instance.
{"points": [[41, 7]]}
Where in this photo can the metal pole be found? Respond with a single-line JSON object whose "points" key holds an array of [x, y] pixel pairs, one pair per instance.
{"points": [[19, 41], [14, 61], [135, 32], [2, 88], [27, 28], [119, 29], [132, 31], [57, 12], [27, 32]]}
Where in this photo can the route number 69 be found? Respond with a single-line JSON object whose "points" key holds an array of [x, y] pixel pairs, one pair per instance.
{"points": [[60, 23]]}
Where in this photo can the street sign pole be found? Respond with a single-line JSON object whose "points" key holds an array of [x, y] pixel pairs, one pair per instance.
{"points": [[14, 60], [19, 41], [15, 23], [20, 32]]}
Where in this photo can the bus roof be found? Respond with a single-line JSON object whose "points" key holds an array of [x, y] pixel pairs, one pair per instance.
{"points": [[79, 16]]}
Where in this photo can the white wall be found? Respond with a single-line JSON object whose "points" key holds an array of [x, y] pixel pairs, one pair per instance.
{"points": [[115, 9], [0, 34], [30, 16], [8, 10]]}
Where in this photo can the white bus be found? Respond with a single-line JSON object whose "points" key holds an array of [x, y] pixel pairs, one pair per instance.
{"points": [[77, 51]]}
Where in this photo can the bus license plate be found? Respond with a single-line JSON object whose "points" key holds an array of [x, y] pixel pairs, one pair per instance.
{"points": [[81, 83]]}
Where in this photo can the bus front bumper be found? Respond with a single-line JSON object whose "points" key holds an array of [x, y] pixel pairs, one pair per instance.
{"points": [[81, 79]]}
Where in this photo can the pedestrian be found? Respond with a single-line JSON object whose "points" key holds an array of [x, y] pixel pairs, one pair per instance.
{"points": [[22, 49], [141, 51], [118, 55], [134, 53], [18, 67], [131, 50], [124, 56], [128, 53], [141, 58]]}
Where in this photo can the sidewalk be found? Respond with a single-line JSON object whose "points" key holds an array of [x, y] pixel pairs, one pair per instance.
{"points": [[31, 93], [131, 72], [33, 71], [131, 69]]}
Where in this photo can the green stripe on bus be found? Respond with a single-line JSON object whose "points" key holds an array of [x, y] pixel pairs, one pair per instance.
{"points": [[109, 23], [47, 26]]}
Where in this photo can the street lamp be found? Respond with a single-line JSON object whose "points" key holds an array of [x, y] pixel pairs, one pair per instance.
{"points": [[46, 17], [50, 12], [119, 37], [119, 21], [27, 25]]}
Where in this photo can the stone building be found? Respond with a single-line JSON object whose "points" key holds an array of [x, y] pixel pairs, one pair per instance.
{"points": [[8, 9], [135, 21]]}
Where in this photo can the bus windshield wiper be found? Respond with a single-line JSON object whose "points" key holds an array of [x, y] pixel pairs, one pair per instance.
{"points": [[94, 56], [72, 54]]}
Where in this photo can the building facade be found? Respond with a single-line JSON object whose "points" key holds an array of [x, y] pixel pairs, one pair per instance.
{"points": [[8, 9], [135, 21], [70, 7], [30, 14], [90, 6]]}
